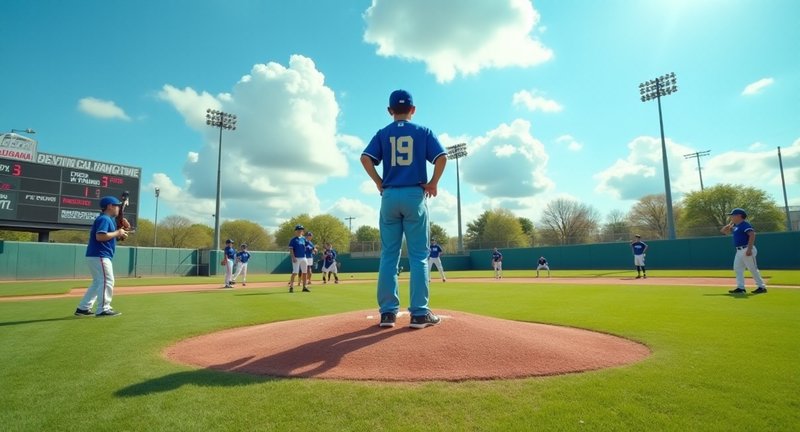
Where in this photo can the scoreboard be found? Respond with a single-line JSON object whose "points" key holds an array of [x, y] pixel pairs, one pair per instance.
{"points": [[61, 192]]}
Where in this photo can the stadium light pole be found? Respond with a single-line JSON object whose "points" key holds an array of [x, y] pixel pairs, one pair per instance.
{"points": [[785, 200], [155, 231], [698, 155], [456, 152], [221, 120], [27, 131], [654, 89]]}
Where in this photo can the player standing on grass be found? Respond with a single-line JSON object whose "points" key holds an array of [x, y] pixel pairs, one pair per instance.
{"points": [[297, 251], [542, 265], [639, 248], [228, 260], [99, 252], [497, 263], [329, 264], [241, 264], [310, 251], [744, 238], [404, 148], [434, 258]]}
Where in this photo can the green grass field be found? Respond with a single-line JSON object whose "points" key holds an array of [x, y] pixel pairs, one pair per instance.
{"points": [[42, 287], [719, 362]]}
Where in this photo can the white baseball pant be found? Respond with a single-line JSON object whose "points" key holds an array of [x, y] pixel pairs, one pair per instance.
{"points": [[742, 261], [102, 285]]}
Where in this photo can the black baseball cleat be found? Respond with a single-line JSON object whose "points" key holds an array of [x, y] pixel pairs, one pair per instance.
{"points": [[422, 321], [738, 291], [760, 290], [291, 289], [108, 313], [388, 319], [306, 289], [638, 276], [83, 312], [644, 277]]}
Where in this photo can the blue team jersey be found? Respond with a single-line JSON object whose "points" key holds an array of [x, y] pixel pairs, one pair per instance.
{"points": [[740, 236], [243, 256], [309, 253], [298, 246], [230, 252], [404, 148], [436, 250], [542, 261], [497, 256], [638, 247], [103, 224], [330, 257]]}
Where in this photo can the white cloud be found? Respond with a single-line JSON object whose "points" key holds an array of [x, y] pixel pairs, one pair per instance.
{"points": [[363, 213], [756, 146], [285, 144], [641, 172], [350, 145], [367, 187], [756, 87], [569, 141], [103, 109], [456, 39], [508, 162], [535, 102]]}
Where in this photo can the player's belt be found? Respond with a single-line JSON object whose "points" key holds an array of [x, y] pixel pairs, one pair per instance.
{"points": [[741, 247]]}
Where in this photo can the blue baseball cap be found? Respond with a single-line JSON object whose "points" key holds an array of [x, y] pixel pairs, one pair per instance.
{"points": [[228, 241], [299, 227], [309, 234], [109, 200], [738, 211], [400, 98]]}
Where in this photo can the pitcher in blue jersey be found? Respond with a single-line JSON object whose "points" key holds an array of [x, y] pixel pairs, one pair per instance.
{"points": [[744, 237], [404, 149]]}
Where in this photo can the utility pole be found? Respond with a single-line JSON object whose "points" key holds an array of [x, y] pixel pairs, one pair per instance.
{"points": [[698, 155]]}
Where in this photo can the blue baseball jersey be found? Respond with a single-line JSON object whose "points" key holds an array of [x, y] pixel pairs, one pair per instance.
{"points": [[330, 257], [102, 224], [243, 256], [309, 249], [436, 250], [298, 247], [403, 148], [497, 256], [542, 261], [638, 247], [230, 252], [740, 236]]}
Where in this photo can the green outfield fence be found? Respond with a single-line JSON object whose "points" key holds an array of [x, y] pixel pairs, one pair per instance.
{"points": [[24, 260]]}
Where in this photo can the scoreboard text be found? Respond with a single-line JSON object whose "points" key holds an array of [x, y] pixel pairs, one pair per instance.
{"points": [[63, 192]]}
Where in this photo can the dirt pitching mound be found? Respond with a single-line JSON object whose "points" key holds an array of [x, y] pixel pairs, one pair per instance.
{"points": [[351, 346]]}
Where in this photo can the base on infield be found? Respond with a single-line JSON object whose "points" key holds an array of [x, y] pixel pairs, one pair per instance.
{"points": [[351, 346]]}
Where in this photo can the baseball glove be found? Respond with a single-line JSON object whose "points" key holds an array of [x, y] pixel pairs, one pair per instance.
{"points": [[224, 262]]}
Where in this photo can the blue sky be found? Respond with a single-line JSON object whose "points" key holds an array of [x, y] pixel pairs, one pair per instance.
{"points": [[544, 94]]}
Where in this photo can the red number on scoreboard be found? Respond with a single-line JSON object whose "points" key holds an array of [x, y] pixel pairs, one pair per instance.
{"points": [[16, 170], [104, 181]]}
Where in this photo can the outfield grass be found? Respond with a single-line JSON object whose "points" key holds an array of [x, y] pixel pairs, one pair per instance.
{"points": [[42, 287], [719, 363]]}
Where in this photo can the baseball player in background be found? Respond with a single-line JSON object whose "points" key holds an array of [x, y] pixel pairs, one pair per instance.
{"points": [[404, 148], [329, 264], [497, 263], [99, 253], [542, 266], [744, 238], [241, 264], [639, 248], [309, 254], [434, 259], [229, 258], [297, 251]]}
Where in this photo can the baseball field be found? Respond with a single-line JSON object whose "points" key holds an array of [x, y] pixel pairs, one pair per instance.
{"points": [[718, 361]]}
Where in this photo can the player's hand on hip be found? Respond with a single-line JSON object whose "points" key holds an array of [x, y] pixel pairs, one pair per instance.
{"points": [[430, 190], [748, 252], [379, 185]]}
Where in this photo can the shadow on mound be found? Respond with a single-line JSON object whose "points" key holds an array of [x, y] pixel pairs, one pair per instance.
{"points": [[351, 346]]}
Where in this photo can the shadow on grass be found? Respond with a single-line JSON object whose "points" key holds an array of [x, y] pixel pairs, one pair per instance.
{"points": [[735, 296], [200, 377], [11, 323], [263, 293]]}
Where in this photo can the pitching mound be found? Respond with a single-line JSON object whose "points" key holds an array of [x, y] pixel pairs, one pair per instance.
{"points": [[351, 346]]}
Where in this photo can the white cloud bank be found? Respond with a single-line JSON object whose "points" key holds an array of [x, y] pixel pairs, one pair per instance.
{"points": [[102, 109], [534, 101], [285, 144], [453, 38]]}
